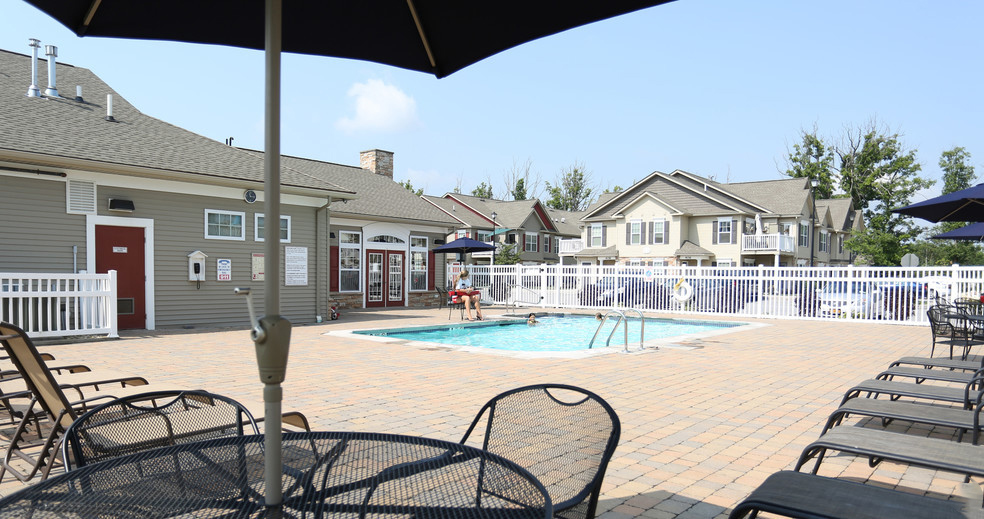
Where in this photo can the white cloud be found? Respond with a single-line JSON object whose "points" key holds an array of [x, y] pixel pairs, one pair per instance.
{"points": [[379, 107]]}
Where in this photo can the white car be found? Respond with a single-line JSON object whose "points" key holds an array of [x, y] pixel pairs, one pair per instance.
{"points": [[855, 298]]}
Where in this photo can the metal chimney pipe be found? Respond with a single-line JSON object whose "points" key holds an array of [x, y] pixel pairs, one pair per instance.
{"points": [[109, 108], [52, 52], [78, 94], [33, 90]]}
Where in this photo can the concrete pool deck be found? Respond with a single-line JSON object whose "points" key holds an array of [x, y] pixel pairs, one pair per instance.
{"points": [[702, 425]]}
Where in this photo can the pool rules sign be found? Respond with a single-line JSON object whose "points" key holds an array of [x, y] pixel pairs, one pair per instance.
{"points": [[295, 266]]}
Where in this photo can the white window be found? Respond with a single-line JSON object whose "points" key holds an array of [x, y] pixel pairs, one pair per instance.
{"points": [[659, 231], [349, 261], [224, 225], [659, 263], [840, 241], [596, 229], [635, 232], [556, 245], [724, 230], [461, 234], [485, 236], [635, 263], [725, 262], [532, 239], [258, 228], [824, 241], [804, 234], [546, 244], [418, 263]]}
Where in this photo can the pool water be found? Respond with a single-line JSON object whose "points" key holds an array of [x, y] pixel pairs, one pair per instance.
{"points": [[552, 334]]}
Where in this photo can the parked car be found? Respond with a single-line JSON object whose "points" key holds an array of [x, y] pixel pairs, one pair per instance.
{"points": [[855, 298]]}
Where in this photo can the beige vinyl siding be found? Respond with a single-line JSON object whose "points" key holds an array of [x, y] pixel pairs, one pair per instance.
{"points": [[179, 223], [36, 233]]}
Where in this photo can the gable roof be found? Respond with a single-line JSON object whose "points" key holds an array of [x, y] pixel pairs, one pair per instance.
{"points": [[510, 214], [782, 196], [379, 196], [566, 222], [687, 193], [62, 132], [842, 213]]}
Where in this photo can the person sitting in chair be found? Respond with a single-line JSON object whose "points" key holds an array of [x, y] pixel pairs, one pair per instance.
{"points": [[468, 295]]}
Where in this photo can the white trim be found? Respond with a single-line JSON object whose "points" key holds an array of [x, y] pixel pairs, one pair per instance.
{"points": [[91, 221], [241, 214], [256, 227], [632, 232], [409, 261], [342, 245], [526, 241]]}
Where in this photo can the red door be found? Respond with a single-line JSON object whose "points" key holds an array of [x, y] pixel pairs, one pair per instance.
{"points": [[385, 279], [122, 249]]}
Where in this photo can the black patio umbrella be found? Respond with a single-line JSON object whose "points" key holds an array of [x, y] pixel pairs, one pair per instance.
{"points": [[966, 205], [463, 246], [434, 36], [972, 232]]}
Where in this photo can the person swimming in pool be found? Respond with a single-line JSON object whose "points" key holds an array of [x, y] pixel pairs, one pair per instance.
{"points": [[598, 316], [531, 320]]}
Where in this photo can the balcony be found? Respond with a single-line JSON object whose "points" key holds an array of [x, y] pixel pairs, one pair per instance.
{"points": [[768, 243], [570, 247]]}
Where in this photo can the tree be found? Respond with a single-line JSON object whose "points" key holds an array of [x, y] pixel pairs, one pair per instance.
{"points": [[957, 174], [571, 193], [614, 189], [483, 190], [523, 173], [879, 174], [406, 183], [519, 192], [814, 160], [507, 255]]}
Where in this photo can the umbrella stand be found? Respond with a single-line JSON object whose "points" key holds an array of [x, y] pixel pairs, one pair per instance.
{"points": [[273, 339]]}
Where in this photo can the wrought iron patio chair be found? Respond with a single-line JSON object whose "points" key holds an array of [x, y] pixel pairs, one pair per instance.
{"points": [[563, 435], [149, 420], [452, 304], [949, 327]]}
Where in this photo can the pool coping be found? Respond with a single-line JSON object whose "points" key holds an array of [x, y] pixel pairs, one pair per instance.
{"points": [[678, 342]]}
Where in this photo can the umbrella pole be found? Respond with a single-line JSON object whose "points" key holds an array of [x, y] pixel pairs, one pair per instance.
{"points": [[273, 342]]}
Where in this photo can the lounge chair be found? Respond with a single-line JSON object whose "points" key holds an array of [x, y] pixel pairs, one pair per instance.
{"points": [[807, 496], [915, 412], [150, 420], [968, 395], [563, 435]]}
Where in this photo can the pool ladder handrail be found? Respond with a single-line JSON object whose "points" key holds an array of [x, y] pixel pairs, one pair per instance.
{"points": [[622, 319]]}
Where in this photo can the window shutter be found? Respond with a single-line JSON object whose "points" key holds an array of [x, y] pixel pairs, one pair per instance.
{"points": [[430, 270], [734, 230], [604, 236], [333, 268], [714, 235], [666, 232], [628, 233]]}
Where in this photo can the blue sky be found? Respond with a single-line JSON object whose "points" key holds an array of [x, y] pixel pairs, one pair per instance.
{"points": [[716, 87]]}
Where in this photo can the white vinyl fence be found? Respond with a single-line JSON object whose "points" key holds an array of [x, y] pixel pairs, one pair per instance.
{"points": [[59, 305], [899, 295]]}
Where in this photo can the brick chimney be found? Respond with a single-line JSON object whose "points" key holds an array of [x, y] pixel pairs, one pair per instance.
{"points": [[379, 162]]}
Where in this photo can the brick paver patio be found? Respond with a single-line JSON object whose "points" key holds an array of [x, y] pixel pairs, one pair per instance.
{"points": [[701, 428]]}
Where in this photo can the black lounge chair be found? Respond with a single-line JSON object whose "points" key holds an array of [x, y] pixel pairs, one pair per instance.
{"points": [[915, 412], [807, 496], [968, 396], [563, 435], [923, 374]]}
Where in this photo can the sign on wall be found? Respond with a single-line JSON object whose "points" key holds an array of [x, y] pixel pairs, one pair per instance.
{"points": [[295, 266], [223, 269], [258, 263]]}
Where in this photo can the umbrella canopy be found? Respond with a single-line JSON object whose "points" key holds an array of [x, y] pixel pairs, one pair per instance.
{"points": [[966, 205], [464, 246], [435, 36], [972, 232]]}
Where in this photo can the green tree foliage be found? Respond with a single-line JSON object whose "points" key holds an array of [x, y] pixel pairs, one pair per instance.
{"points": [[406, 183], [614, 189], [483, 191], [879, 175], [507, 255], [957, 175], [571, 193], [519, 192], [813, 159]]}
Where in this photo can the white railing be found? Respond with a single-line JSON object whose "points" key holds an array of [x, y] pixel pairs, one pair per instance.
{"points": [[568, 247], [768, 242], [58, 305], [899, 295]]}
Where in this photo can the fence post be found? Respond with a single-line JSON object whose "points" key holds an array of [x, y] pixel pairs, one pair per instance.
{"points": [[113, 322], [954, 279], [761, 291]]}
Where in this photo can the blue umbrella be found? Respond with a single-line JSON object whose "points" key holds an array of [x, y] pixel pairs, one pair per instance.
{"points": [[463, 246], [972, 232], [966, 205]]}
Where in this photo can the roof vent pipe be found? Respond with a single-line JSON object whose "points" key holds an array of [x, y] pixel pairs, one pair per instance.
{"points": [[52, 52], [109, 108], [78, 94], [33, 90]]}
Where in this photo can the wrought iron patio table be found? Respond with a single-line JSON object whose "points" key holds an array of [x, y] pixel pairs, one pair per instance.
{"points": [[325, 474]]}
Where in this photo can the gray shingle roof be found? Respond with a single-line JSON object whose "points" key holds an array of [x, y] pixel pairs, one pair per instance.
{"points": [[566, 222], [461, 214], [840, 210], [63, 129], [509, 213], [783, 197], [689, 248]]}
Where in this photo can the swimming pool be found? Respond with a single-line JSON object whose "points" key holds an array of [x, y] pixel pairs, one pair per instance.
{"points": [[554, 333]]}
